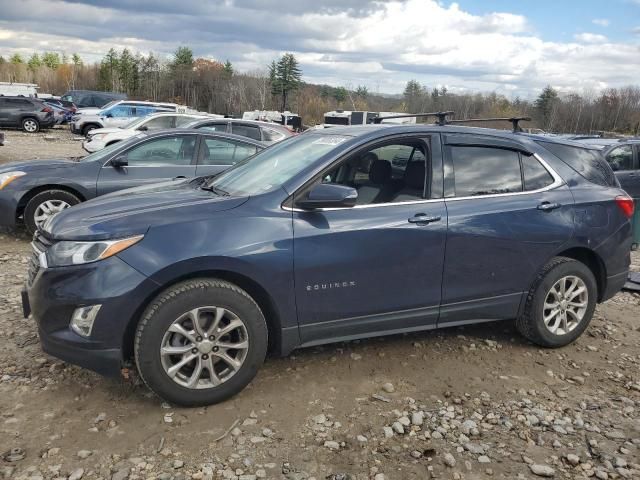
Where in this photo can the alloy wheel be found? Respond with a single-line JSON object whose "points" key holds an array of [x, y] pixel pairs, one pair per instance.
{"points": [[48, 209], [565, 305], [30, 126], [204, 347]]}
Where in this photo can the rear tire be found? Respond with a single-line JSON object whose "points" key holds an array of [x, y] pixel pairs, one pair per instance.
{"points": [[46, 204], [560, 303], [31, 125], [186, 364]]}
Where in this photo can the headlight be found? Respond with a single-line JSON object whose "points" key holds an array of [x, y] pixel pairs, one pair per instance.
{"points": [[97, 136], [76, 253], [8, 177]]}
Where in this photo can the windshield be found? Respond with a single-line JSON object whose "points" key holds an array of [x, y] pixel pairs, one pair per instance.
{"points": [[271, 168], [135, 123], [106, 151]]}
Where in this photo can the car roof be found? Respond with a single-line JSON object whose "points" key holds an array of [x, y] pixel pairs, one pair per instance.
{"points": [[180, 131], [371, 129], [275, 126]]}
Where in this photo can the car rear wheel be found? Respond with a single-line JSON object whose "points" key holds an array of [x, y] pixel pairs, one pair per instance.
{"points": [[560, 303], [45, 205], [30, 125], [200, 342]]}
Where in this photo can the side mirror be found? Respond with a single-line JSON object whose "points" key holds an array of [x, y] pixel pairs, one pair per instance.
{"points": [[328, 195], [109, 115], [143, 128], [120, 161]]}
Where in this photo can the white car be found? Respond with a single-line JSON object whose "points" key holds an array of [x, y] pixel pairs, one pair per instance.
{"points": [[100, 138]]}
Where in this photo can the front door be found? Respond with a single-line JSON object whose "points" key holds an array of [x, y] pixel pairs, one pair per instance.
{"points": [[153, 160], [508, 215], [374, 268]]}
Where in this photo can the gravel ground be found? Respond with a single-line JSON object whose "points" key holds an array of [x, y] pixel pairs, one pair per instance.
{"points": [[463, 403], [54, 143]]}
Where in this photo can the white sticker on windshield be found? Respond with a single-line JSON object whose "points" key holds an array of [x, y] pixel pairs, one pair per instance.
{"points": [[329, 140]]}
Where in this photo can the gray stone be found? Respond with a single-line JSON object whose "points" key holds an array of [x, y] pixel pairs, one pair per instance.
{"points": [[449, 460], [542, 470]]}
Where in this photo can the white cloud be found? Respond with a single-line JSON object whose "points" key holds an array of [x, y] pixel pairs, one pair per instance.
{"points": [[379, 44], [590, 38], [601, 22]]}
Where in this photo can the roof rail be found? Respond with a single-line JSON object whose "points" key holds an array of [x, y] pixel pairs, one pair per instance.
{"points": [[441, 116], [514, 121]]}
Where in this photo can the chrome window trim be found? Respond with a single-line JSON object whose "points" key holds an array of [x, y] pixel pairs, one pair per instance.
{"points": [[557, 182]]}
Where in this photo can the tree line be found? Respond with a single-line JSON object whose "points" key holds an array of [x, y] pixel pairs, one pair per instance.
{"points": [[217, 87]]}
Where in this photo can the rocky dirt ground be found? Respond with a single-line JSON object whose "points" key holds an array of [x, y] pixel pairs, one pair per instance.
{"points": [[463, 403]]}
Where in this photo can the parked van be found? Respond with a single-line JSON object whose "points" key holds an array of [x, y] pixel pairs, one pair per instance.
{"points": [[8, 89], [90, 98]]}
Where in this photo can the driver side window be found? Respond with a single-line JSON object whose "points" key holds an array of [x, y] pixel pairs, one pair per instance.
{"points": [[163, 151], [395, 172]]}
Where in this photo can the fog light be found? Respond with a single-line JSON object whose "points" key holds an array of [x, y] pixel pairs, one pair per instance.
{"points": [[83, 318]]}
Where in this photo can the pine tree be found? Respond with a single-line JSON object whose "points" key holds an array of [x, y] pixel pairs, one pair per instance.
{"points": [[51, 60], [34, 62], [16, 59], [545, 106], [286, 77], [228, 68], [182, 58]]}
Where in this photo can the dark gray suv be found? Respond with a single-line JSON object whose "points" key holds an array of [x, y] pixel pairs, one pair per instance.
{"points": [[29, 114]]}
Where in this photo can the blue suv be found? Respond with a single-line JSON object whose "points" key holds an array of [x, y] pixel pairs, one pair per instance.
{"points": [[330, 236]]}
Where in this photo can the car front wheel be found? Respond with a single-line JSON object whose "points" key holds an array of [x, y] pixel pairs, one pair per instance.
{"points": [[560, 303], [200, 342], [30, 125], [45, 205]]}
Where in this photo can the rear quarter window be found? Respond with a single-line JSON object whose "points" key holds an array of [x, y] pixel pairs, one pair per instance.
{"points": [[590, 164]]}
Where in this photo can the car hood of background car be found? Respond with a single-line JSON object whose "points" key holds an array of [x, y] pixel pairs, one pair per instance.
{"points": [[132, 212], [106, 130], [34, 165]]}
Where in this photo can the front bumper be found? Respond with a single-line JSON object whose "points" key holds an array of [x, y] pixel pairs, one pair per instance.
{"points": [[75, 128], [8, 206], [52, 294], [92, 145]]}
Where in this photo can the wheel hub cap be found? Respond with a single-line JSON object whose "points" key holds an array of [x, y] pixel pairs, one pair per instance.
{"points": [[565, 305], [48, 209], [204, 347]]}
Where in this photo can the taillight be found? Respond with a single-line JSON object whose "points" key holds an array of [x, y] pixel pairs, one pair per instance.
{"points": [[47, 110], [626, 205]]}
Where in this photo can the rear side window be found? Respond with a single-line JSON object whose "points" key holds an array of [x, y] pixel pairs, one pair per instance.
{"points": [[621, 158], [246, 131], [590, 164], [485, 171], [269, 135], [534, 174], [214, 127]]}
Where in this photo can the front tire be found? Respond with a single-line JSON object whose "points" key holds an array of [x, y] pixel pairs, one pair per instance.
{"points": [[560, 303], [31, 125], [87, 128], [45, 205], [200, 342]]}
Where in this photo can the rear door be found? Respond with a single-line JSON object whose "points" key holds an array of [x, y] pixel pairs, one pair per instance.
{"points": [[508, 214], [219, 153], [153, 160], [624, 162]]}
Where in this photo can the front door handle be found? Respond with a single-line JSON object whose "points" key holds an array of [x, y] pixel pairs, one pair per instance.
{"points": [[547, 207], [424, 219], [179, 177]]}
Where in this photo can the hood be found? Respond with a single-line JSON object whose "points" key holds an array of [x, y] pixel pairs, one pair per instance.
{"points": [[134, 211], [88, 111], [33, 165], [95, 131]]}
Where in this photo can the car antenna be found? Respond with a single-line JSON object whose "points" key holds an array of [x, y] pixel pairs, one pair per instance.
{"points": [[441, 116], [515, 121]]}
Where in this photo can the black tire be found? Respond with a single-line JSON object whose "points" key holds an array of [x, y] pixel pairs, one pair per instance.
{"points": [[30, 125], [531, 323], [48, 195], [171, 305], [87, 128]]}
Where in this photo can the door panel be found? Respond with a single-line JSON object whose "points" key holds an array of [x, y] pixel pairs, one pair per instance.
{"points": [[151, 161], [495, 245], [366, 270]]}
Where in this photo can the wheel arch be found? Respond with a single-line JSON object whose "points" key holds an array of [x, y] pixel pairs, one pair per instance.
{"points": [[593, 261], [256, 291], [43, 188]]}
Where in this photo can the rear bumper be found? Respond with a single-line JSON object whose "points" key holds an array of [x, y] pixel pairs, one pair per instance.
{"points": [[614, 285]]}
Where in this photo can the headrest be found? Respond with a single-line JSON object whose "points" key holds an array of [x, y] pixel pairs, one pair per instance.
{"points": [[380, 171], [414, 175]]}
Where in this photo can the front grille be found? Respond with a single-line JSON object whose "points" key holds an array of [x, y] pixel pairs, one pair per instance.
{"points": [[39, 246]]}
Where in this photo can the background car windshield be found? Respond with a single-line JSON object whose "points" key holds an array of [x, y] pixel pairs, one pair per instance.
{"points": [[271, 168], [135, 123]]}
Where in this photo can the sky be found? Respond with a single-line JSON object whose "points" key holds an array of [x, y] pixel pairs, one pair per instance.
{"points": [[510, 47]]}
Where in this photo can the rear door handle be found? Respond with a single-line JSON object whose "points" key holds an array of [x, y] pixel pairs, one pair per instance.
{"points": [[423, 218], [547, 207]]}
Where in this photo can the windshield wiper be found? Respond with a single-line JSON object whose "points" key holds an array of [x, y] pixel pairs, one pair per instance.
{"points": [[216, 190]]}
